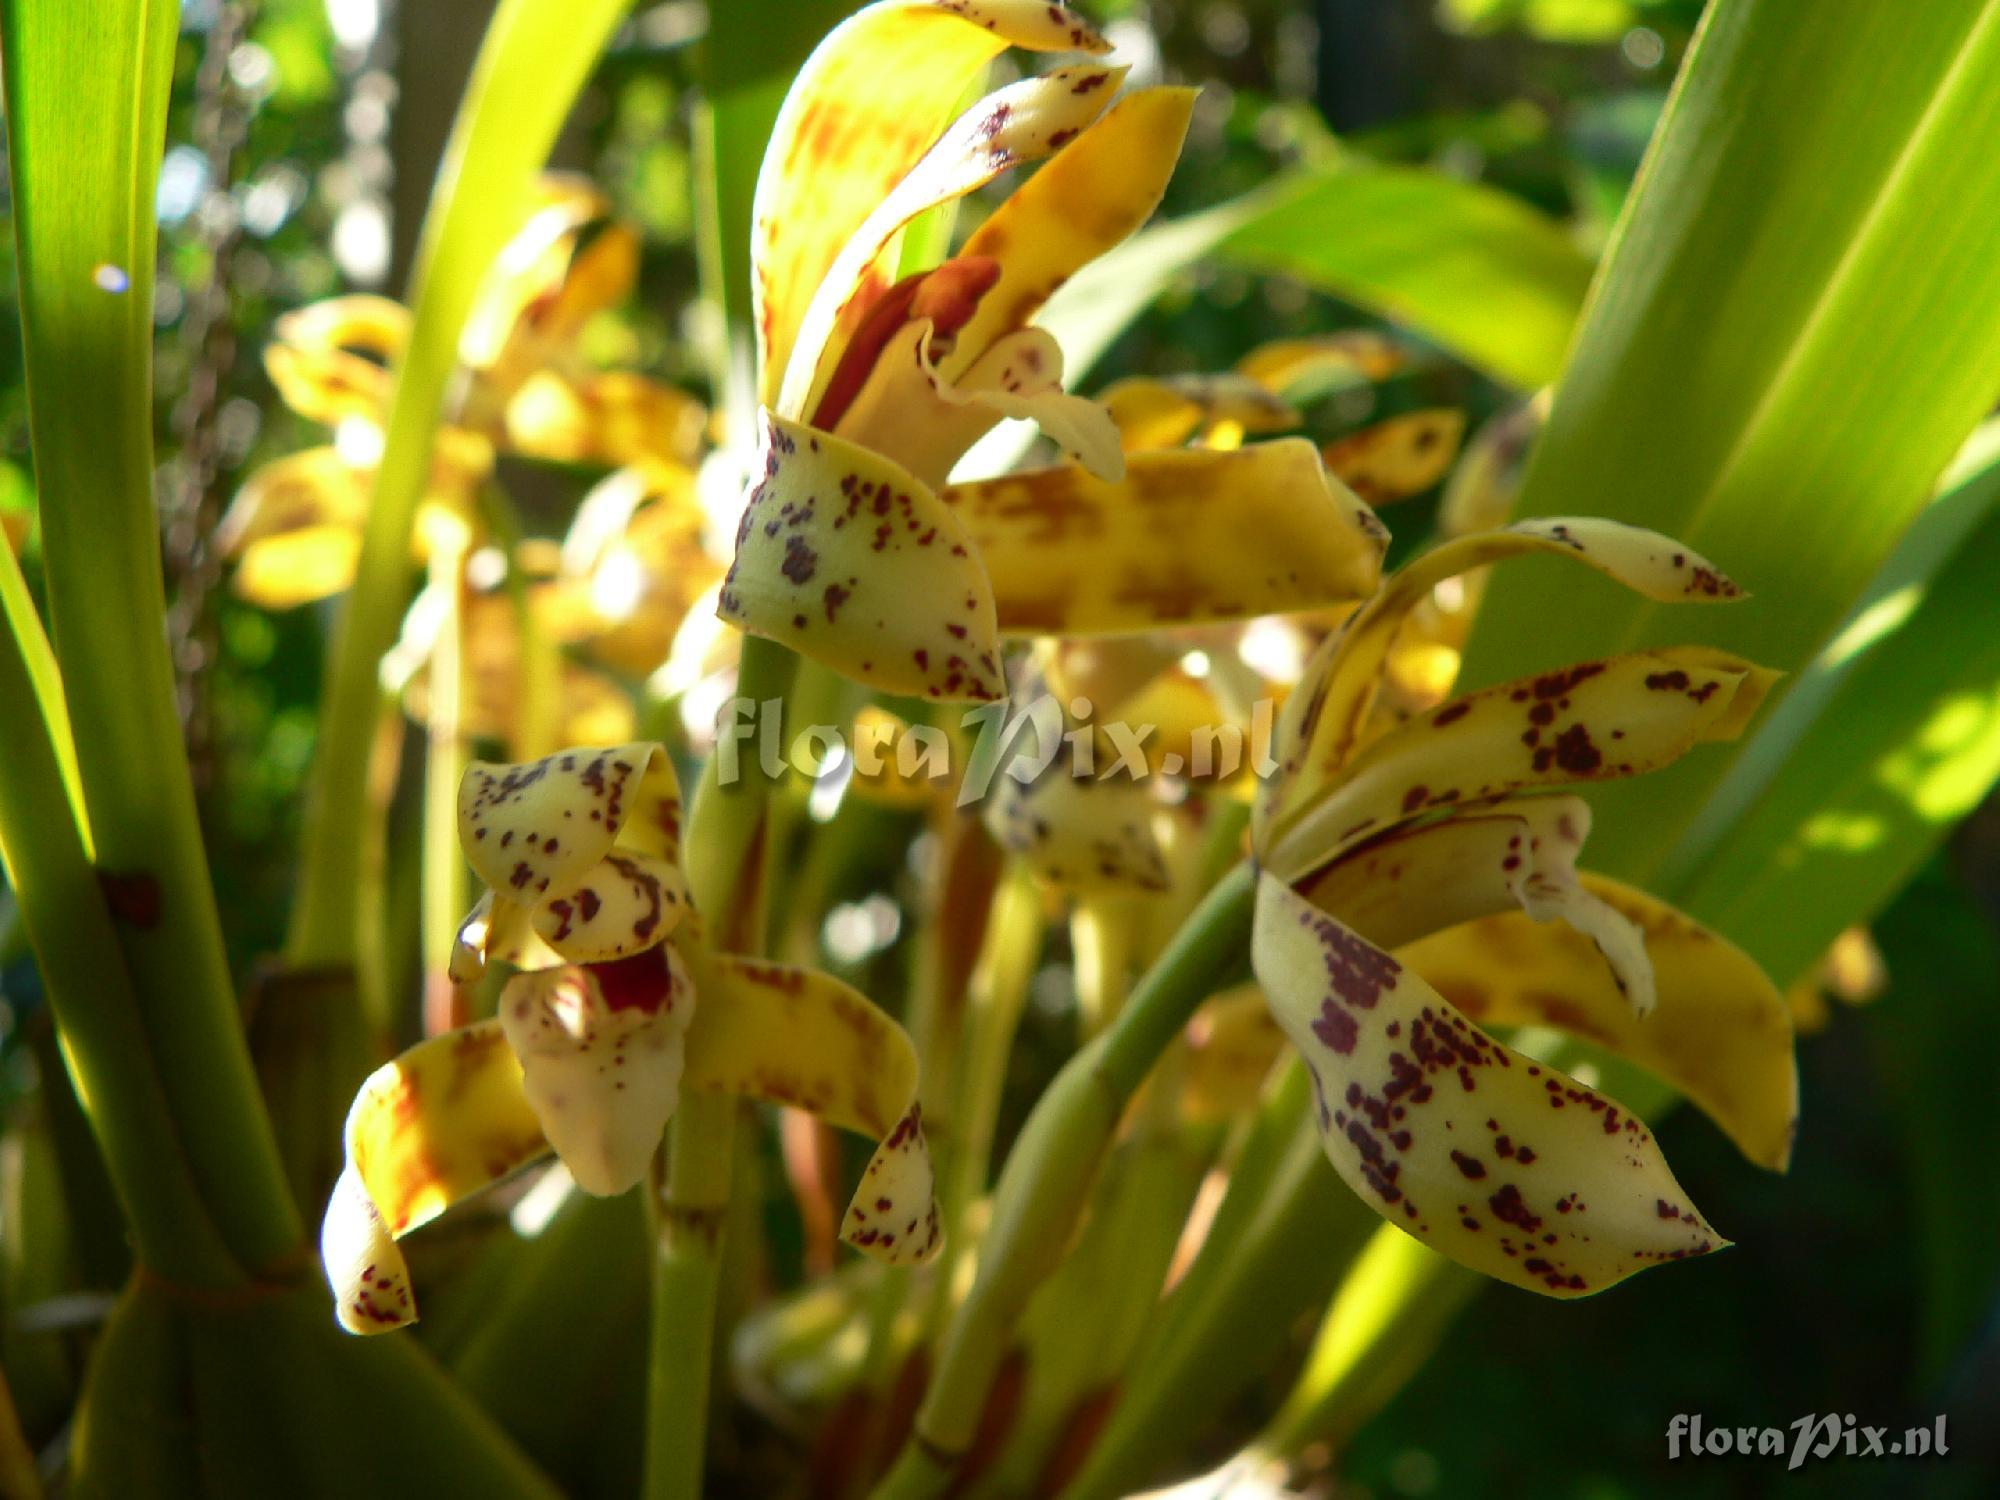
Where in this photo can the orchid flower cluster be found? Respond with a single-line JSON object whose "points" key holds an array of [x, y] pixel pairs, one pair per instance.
{"points": [[1415, 852]]}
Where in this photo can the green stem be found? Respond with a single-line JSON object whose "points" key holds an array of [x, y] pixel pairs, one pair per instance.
{"points": [[104, 1044], [86, 239], [1051, 1172], [445, 878], [999, 990], [726, 868], [1275, 1249], [530, 68]]}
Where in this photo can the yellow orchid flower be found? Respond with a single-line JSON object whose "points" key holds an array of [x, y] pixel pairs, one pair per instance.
{"points": [[853, 548], [599, 1030], [1413, 885], [295, 525]]}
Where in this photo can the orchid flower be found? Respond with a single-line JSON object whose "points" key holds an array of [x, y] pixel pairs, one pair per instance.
{"points": [[599, 1030], [853, 548], [295, 526], [1415, 885]]}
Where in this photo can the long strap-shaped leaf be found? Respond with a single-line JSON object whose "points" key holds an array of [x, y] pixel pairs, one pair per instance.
{"points": [[534, 61], [87, 84], [1798, 323], [1891, 738], [1484, 274]]}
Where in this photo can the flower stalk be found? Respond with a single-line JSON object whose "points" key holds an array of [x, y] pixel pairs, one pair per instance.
{"points": [[1052, 1172], [727, 864]]}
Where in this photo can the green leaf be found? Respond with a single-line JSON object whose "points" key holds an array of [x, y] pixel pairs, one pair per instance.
{"points": [[1797, 324], [1934, 1036], [1481, 273], [1891, 737], [534, 62], [1491, 279], [87, 83]]}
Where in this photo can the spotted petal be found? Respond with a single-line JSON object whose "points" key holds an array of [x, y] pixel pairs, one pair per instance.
{"points": [[436, 1125], [625, 904], [600, 1047], [1077, 832], [1184, 538], [1499, 1162], [1396, 459], [533, 832], [1088, 197], [1597, 721], [848, 558], [1322, 722], [1721, 1034], [868, 103], [802, 1038]]}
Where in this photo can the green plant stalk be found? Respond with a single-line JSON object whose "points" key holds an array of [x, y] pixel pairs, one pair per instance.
{"points": [[1051, 1171], [446, 880], [1083, 1326], [17, 614], [995, 999], [96, 1009], [1287, 1227], [531, 66], [85, 235], [726, 863]]}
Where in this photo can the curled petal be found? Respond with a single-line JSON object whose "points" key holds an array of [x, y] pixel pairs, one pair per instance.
{"points": [[1323, 721], [1020, 123], [600, 1047], [329, 360], [1596, 721], [1184, 538], [1721, 1033], [1396, 459], [533, 832], [909, 412], [850, 559], [497, 931], [625, 904], [436, 1125], [869, 102], [1497, 1161], [1090, 195], [802, 1038], [1505, 855], [360, 323]]}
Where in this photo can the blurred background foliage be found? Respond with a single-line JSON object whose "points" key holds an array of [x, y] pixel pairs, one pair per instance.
{"points": [[302, 140]]}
